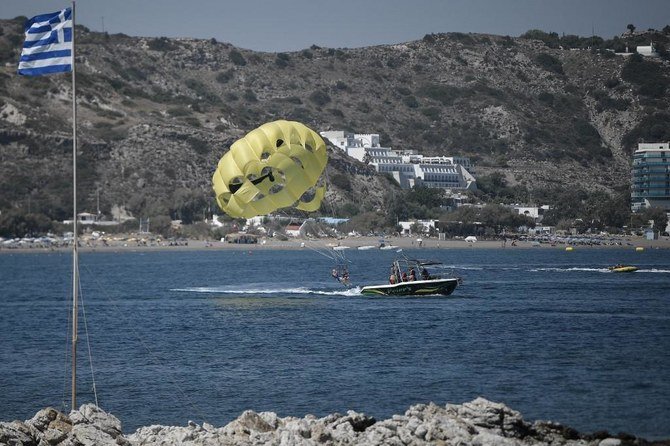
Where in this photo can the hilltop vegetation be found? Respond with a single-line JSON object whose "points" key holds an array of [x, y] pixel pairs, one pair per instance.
{"points": [[155, 115]]}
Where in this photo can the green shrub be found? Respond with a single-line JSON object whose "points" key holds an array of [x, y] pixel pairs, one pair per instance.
{"points": [[446, 94], [612, 82], [547, 98], [349, 209], [300, 114], [161, 44], [549, 39], [429, 38], [178, 111], [341, 55], [394, 62], [404, 91], [341, 85], [249, 95], [364, 107], [103, 125], [647, 75], [282, 60], [341, 181], [461, 37], [431, 113], [225, 76], [201, 90], [410, 101], [109, 113], [507, 42], [336, 112], [192, 121], [549, 63], [586, 134], [198, 145], [605, 102], [319, 98], [655, 127], [237, 58]]}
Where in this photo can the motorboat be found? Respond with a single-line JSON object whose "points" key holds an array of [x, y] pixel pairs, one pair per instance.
{"points": [[412, 278], [623, 268]]}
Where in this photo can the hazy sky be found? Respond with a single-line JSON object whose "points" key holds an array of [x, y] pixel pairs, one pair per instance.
{"points": [[290, 25]]}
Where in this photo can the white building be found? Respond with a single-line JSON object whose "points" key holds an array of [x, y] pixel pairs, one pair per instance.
{"points": [[352, 144], [648, 51], [423, 226], [651, 176], [534, 212], [407, 167], [84, 218]]}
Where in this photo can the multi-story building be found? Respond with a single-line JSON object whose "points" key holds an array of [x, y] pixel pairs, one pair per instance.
{"points": [[651, 176], [407, 167]]}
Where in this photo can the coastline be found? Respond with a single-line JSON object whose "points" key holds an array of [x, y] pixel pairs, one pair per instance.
{"points": [[345, 243]]}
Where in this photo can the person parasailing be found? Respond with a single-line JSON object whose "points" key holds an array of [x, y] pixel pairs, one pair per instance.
{"points": [[341, 274]]}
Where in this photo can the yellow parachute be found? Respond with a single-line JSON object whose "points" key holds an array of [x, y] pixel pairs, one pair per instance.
{"points": [[274, 166]]}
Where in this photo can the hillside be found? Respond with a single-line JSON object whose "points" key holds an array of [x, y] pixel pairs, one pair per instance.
{"points": [[156, 114]]}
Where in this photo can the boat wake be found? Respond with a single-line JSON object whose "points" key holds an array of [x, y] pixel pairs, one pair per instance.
{"points": [[256, 290], [570, 269], [463, 267], [597, 270]]}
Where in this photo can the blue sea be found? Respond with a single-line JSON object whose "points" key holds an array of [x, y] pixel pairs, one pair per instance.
{"points": [[205, 335]]}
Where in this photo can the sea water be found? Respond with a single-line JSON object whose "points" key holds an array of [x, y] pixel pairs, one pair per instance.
{"points": [[204, 335]]}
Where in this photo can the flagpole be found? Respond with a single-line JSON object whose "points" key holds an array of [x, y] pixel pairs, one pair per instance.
{"points": [[75, 254]]}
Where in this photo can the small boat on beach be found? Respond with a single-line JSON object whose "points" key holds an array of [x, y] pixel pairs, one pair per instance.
{"points": [[411, 278], [623, 268]]}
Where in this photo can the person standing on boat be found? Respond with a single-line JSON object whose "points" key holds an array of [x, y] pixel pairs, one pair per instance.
{"points": [[394, 275]]}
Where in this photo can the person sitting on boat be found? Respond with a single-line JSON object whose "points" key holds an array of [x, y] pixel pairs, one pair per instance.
{"points": [[404, 276], [424, 274], [392, 279], [412, 275]]}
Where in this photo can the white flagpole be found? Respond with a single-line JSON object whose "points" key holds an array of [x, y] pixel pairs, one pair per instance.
{"points": [[75, 255]]}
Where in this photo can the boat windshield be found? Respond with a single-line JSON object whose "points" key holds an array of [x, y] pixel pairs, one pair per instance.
{"points": [[407, 270]]}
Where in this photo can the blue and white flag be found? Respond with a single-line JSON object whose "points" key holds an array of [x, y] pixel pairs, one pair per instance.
{"points": [[48, 45]]}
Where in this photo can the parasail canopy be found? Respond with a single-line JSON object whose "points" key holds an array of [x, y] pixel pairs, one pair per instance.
{"points": [[275, 166]]}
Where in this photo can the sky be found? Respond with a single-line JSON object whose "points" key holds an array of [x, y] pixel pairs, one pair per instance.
{"points": [[292, 25]]}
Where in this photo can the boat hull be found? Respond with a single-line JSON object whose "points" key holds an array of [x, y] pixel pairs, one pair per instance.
{"points": [[623, 269], [416, 288]]}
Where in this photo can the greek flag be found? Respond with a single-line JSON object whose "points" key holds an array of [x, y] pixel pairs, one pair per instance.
{"points": [[48, 45]]}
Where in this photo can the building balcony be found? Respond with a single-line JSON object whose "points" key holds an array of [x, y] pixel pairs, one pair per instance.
{"points": [[650, 163], [650, 195]]}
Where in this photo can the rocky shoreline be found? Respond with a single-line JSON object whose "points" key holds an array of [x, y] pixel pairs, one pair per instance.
{"points": [[478, 422]]}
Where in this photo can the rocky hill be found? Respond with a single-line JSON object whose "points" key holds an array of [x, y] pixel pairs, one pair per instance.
{"points": [[156, 114]]}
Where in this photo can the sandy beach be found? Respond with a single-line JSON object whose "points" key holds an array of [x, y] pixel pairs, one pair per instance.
{"points": [[346, 243]]}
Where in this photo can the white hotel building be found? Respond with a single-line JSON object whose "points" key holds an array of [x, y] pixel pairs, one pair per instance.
{"points": [[407, 167]]}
